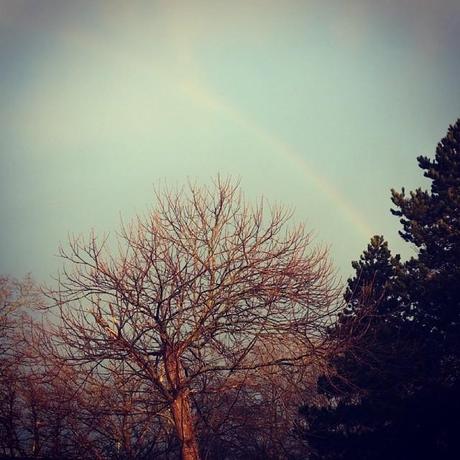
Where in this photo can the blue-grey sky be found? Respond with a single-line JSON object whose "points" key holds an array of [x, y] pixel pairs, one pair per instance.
{"points": [[320, 105]]}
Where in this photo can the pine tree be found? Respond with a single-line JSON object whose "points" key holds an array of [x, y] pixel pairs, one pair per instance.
{"points": [[396, 392], [431, 221], [363, 393], [372, 285]]}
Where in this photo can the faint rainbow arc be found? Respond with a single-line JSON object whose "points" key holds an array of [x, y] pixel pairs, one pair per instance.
{"points": [[204, 97]]}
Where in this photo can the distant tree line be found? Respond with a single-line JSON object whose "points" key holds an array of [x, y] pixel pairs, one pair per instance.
{"points": [[212, 329]]}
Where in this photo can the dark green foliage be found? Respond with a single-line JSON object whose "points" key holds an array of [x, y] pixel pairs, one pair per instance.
{"points": [[374, 283], [431, 221], [395, 393], [362, 396]]}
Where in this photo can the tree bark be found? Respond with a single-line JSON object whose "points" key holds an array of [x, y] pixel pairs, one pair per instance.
{"points": [[185, 427], [181, 408]]}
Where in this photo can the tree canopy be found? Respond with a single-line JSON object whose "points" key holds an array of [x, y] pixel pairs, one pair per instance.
{"points": [[203, 293]]}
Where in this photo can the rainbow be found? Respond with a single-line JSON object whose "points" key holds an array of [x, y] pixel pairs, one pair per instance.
{"points": [[205, 97], [196, 88]]}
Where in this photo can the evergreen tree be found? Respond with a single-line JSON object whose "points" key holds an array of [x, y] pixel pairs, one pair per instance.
{"points": [[396, 391], [362, 396], [431, 221], [373, 284]]}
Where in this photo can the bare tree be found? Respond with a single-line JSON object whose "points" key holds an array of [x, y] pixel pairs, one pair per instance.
{"points": [[16, 301], [255, 417], [201, 293]]}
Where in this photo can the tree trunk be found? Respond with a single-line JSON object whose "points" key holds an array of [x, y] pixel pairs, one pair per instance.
{"points": [[181, 408], [185, 427]]}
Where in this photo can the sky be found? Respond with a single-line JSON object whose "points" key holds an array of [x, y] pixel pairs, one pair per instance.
{"points": [[322, 106]]}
